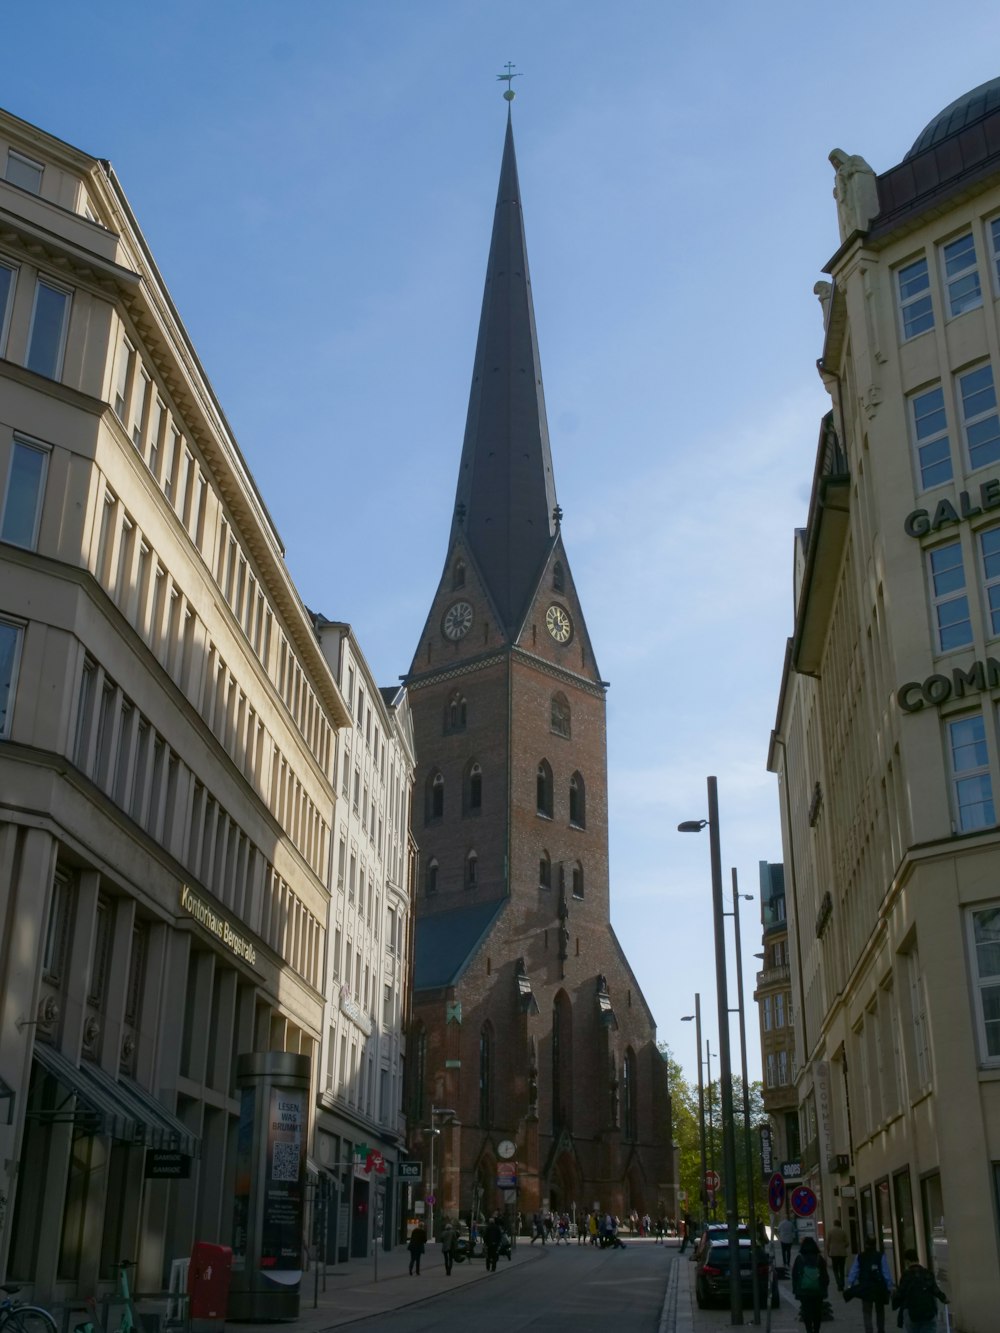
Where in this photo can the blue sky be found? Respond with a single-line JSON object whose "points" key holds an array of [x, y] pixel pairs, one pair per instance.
{"points": [[317, 181]]}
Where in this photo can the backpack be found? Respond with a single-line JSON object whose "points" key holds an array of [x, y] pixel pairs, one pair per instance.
{"points": [[809, 1279], [920, 1304]]}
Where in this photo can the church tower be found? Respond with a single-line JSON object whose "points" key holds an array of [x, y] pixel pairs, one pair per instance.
{"points": [[528, 1023]]}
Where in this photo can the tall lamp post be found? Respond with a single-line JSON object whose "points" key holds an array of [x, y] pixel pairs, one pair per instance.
{"points": [[725, 1064], [711, 1119], [696, 1016], [434, 1132], [748, 1146]]}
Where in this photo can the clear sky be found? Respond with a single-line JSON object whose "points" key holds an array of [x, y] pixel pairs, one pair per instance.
{"points": [[317, 182]]}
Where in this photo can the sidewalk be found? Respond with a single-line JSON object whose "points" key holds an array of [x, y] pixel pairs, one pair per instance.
{"points": [[352, 1291]]}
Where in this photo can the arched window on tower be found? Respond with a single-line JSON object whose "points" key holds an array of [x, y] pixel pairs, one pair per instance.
{"points": [[577, 880], [630, 1117], [560, 716], [486, 1075], [434, 796], [431, 877], [545, 871], [473, 789], [543, 790], [458, 574], [558, 577], [471, 870], [562, 1063], [455, 712], [416, 1073], [577, 801]]}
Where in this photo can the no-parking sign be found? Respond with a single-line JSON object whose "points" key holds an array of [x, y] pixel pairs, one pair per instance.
{"points": [[776, 1192], [803, 1201]]}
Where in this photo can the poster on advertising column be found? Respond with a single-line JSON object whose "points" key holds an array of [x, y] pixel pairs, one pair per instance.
{"points": [[281, 1220], [241, 1185]]}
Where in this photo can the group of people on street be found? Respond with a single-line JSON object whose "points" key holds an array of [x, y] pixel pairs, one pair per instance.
{"points": [[869, 1279]]}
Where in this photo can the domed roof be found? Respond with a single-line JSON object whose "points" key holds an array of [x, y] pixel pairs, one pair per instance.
{"points": [[963, 111]]}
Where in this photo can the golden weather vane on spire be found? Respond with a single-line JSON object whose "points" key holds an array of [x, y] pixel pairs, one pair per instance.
{"points": [[510, 94]]}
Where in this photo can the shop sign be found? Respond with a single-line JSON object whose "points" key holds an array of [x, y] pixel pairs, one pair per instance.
{"points": [[353, 1010], [217, 925]]}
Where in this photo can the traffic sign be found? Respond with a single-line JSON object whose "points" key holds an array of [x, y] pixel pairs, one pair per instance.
{"points": [[776, 1192], [430, 1200], [803, 1201], [712, 1180]]}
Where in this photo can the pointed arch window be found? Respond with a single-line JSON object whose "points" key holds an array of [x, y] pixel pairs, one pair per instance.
{"points": [[471, 870], [434, 794], [577, 880], [562, 1063], [560, 716], [416, 1068], [543, 789], [577, 801], [458, 574], [431, 877], [486, 1045], [473, 789], [558, 577], [455, 712], [629, 1106], [545, 871]]}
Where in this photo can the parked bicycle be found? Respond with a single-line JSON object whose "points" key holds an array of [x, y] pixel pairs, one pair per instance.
{"points": [[18, 1318], [127, 1322]]}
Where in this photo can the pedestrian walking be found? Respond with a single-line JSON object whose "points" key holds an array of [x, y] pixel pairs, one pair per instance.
{"points": [[416, 1244], [786, 1235], [871, 1281], [592, 1227], [810, 1283], [688, 1226], [492, 1236], [449, 1243], [837, 1247], [537, 1228], [917, 1296]]}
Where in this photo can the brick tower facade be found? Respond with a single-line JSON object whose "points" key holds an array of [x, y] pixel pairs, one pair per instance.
{"points": [[532, 1048]]}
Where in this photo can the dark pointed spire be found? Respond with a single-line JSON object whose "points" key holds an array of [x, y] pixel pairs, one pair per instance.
{"points": [[506, 491]]}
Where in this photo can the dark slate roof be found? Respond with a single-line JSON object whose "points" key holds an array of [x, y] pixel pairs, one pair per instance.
{"points": [[970, 107], [389, 694], [445, 941], [506, 490]]}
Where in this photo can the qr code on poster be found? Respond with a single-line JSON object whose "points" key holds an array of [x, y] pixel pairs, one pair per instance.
{"points": [[285, 1162]]}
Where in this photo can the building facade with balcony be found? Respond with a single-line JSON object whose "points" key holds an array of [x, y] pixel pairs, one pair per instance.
{"points": [[168, 749], [887, 740], [775, 1009]]}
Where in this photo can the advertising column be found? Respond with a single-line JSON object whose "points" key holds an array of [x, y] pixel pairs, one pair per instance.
{"points": [[268, 1212]]}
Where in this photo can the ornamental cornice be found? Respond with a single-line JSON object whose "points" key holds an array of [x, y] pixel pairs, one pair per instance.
{"points": [[472, 665], [561, 673]]}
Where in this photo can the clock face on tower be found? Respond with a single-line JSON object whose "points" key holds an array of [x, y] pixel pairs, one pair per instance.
{"points": [[457, 621], [558, 623]]}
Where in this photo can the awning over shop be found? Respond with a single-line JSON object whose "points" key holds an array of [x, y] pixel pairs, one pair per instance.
{"points": [[119, 1108]]}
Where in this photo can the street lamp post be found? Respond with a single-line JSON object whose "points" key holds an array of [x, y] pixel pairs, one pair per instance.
{"points": [[702, 1196], [748, 1146], [711, 1121], [725, 1063], [434, 1131]]}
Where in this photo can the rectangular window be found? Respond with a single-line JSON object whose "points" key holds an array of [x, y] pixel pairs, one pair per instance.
{"points": [[139, 409], [915, 308], [972, 785], [782, 1068], [24, 172], [984, 949], [995, 249], [949, 597], [961, 276], [47, 337], [11, 635], [123, 368], [22, 506], [918, 1020], [156, 418], [930, 437], [765, 1009], [772, 1070], [8, 276], [989, 544], [779, 1010], [979, 416]]}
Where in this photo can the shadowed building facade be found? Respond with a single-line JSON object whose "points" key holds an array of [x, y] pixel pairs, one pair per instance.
{"points": [[529, 1024]]}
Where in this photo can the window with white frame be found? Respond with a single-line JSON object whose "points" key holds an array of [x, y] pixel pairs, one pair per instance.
{"points": [[961, 275], [765, 1013], [779, 1009], [984, 951], [915, 309], [979, 416], [11, 636], [124, 361], [47, 336], [782, 1068], [22, 505], [918, 1019], [8, 276], [930, 437], [772, 1070], [995, 252], [23, 171], [989, 547], [971, 781], [949, 598]]}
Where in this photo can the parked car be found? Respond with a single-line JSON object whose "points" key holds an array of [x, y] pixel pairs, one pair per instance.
{"points": [[711, 1281], [715, 1231]]}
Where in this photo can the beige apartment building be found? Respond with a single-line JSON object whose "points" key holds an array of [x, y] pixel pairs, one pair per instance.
{"points": [[168, 754], [887, 741]]}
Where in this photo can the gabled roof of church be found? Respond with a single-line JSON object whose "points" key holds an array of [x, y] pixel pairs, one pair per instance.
{"points": [[506, 491], [445, 942]]}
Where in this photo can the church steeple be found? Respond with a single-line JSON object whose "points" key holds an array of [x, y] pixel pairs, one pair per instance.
{"points": [[506, 495]]}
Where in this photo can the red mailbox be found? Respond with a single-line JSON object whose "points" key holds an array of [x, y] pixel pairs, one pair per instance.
{"points": [[208, 1283]]}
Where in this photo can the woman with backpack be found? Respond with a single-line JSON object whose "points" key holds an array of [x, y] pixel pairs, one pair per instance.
{"points": [[810, 1283], [870, 1279], [917, 1296]]}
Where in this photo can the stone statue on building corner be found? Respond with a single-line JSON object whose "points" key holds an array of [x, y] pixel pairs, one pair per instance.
{"points": [[855, 191], [824, 292]]}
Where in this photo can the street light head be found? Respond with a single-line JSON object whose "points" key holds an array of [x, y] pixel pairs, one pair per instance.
{"points": [[692, 825], [687, 1018]]}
